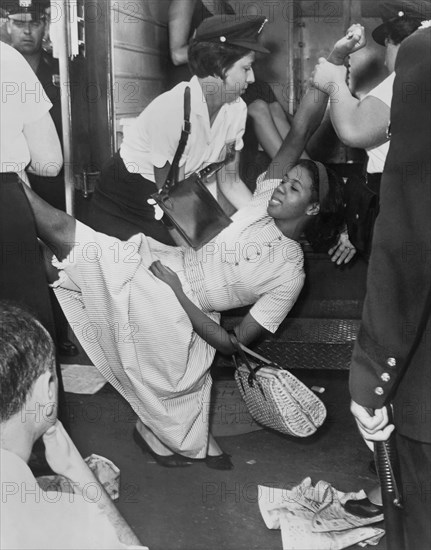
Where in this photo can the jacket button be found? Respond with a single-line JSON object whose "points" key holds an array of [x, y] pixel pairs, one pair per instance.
{"points": [[385, 377], [379, 391], [391, 361]]}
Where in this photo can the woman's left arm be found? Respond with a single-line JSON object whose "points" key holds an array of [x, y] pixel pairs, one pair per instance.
{"points": [[210, 331]]}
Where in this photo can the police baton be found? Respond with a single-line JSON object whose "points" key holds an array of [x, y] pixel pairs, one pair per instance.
{"points": [[388, 470]]}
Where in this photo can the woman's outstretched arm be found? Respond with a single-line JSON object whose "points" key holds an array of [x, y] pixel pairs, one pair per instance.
{"points": [[54, 227], [358, 123], [210, 331], [310, 112], [305, 122]]}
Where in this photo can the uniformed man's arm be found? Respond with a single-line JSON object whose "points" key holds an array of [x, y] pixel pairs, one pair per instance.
{"points": [[372, 376], [44, 146]]}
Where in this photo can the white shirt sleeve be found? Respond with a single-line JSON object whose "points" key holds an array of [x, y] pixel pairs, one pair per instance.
{"points": [[164, 122], [23, 101], [21, 86], [264, 189], [272, 308], [383, 91], [241, 122]]}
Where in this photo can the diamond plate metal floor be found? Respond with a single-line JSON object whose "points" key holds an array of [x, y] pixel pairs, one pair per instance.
{"points": [[321, 328], [303, 343]]}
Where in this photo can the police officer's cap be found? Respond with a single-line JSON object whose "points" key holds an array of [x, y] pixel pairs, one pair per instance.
{"points": [[233, 30], [25, 9], [417, 10]]}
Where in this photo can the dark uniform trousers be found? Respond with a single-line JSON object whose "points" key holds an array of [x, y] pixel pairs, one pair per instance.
{"points": [[51, 189], [22, 273], [399, 279]]}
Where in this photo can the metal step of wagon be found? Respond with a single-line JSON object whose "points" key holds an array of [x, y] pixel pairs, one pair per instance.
{"points": [[321, 328], [303, 343]]}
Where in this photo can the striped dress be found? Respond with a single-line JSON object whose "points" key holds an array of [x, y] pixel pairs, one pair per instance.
{"points": [[139, 337]]}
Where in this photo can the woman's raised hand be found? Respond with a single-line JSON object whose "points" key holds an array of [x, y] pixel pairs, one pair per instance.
{"points": [[327, 77], [351, 42]]}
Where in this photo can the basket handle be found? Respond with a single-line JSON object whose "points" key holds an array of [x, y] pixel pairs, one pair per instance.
{"points": [[252, 378], [260, 357], [242, 350]]}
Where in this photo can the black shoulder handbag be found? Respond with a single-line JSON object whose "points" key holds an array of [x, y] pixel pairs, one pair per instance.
{"points": [[360, 211], [187, 205]]}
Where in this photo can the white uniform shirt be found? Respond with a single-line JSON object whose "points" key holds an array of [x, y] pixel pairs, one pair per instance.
{"points": [[32, 518], [377, 155], [153, 138], [23, 101]]}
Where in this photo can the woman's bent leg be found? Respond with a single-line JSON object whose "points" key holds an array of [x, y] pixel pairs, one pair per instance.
{"points": [[54, 227]]}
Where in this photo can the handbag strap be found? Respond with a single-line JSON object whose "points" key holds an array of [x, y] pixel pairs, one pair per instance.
{"points": [[205, 173], [172, 177], [241, 350], [214, 167]]}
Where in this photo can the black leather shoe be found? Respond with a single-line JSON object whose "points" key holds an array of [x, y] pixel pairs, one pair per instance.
{"points": [[169, 461], [66, 348], [363, 508], [219, 462]]}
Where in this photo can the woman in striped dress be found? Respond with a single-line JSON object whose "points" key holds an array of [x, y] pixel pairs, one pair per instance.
{"points": [[147, 314]]}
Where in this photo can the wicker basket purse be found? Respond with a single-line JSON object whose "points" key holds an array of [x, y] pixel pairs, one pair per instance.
{"points": [[275, 398]]}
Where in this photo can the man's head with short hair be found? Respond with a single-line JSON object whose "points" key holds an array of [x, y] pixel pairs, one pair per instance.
{"points": [[26, 352], [27, 24]]}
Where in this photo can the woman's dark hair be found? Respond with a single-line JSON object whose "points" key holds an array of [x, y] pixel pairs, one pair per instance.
{"points": [[323, 229], [401, 27], [213, 59]]}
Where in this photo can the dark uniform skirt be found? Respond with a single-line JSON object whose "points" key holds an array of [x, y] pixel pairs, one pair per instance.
{"points": [[119, 205]]}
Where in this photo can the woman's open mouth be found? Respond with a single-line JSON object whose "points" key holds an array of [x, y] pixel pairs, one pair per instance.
{"points": [[274, 202]]}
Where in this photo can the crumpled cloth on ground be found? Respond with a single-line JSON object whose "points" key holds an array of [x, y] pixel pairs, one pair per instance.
{"points": [[82, 379], [313, 517], [106, 472]]}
